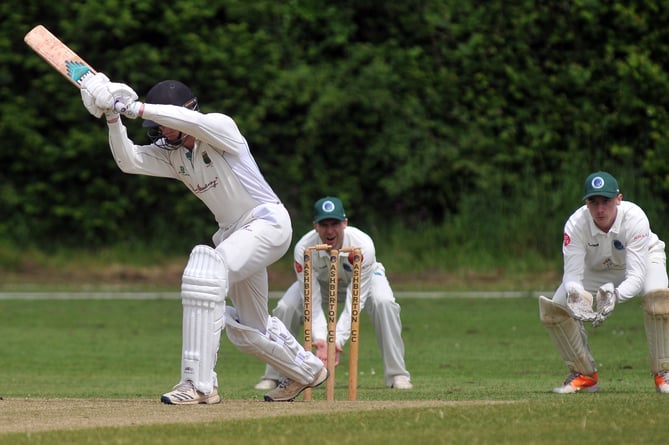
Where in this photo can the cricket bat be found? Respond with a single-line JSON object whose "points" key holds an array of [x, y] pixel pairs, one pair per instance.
{"points": [[60, 56]]}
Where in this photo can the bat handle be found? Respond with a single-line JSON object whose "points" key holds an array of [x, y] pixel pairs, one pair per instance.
{"points": [[119, 107]]}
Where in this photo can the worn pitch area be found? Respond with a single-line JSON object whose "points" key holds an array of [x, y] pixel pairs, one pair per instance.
{"points": [[47, 414]]}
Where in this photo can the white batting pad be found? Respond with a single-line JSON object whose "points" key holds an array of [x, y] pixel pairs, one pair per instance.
{"points": [[277, 348], [568, 335], [203, 290], [656, 322]]}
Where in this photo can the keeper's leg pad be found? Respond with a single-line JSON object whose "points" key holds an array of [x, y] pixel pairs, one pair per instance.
{"points": [[203, 290], [277, 348], [656, 322], [568, 335]]}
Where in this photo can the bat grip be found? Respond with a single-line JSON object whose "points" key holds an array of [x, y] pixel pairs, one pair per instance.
{"points": [[119, 107]]}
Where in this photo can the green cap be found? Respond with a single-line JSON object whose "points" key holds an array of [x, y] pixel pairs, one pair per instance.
{"points": [[601, 184], [329, 208]]}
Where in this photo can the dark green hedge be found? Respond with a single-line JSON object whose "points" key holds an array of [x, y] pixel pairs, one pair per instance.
{"points": [[481, 116]]}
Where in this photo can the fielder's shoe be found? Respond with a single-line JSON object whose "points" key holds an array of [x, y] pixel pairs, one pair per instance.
{"points": [[662, 382], [576, 382], [401, 382], [289, 389], [266, 384], [186, 394]]}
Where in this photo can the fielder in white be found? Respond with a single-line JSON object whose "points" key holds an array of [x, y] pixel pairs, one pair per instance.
{"points": [[376, 296], [610, 251], [210, 156]]}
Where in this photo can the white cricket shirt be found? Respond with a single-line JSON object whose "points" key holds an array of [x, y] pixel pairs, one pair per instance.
{"points": [[220, 169], [623, 250]]}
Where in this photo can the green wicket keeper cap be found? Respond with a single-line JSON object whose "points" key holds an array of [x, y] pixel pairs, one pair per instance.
{"points": [[601, 184], [329, 208]]}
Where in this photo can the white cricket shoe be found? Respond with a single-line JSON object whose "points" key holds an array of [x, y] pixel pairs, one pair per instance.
{"points": [[185, 394], [288, 389], [266, 384], [401, 382], [662, 382]]}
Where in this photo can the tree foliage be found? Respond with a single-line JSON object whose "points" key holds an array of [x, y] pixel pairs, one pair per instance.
{"points": [[483, 117]]}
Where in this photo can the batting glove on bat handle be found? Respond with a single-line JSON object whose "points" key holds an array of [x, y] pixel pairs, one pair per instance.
{"points": [[132, 110], [92, 88], [89, 102]]}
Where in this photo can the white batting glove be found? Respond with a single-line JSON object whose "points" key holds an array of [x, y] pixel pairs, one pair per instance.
{"points": [[605, 303], [100, 96], [123, 97], [131, 110], [91, 88], [122, 93], [579, 302]]}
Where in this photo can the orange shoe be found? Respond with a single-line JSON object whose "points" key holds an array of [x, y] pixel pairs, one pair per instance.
{"points": [[662, 382], [576, 382]]}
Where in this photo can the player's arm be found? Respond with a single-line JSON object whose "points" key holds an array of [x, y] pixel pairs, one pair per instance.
{"points": [[367, 270], [215, 129], [636, 252], [573, 253], [579, 300], [636, 255], [138, 159], [319, 325]]}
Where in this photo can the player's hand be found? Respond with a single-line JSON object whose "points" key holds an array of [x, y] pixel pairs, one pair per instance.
{"points": [[132, 110], [121, 93], [579, 302], [125, 100], [95, 95], [605, 301], [322, 351], [338, 351]]}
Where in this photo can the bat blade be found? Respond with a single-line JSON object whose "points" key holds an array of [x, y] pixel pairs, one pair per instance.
{"points": [[58, 55]]}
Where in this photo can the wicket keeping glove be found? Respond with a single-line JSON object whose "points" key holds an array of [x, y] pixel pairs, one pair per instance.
{"points": [[605, 301], [579, 302]]}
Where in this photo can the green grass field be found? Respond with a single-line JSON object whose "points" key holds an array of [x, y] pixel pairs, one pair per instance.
{"points": [[486, 363]]}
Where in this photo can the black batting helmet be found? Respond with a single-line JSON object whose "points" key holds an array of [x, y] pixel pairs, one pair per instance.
{"points": [[170, 92]]}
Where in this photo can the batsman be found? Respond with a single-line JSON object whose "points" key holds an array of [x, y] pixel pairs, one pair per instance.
{"points": [[207, 152], [610, 252]]}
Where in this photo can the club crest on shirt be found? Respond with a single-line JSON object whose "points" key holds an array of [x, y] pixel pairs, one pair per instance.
{"points": [[618, 245], [206, 158]]}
